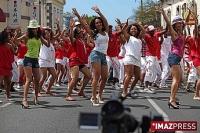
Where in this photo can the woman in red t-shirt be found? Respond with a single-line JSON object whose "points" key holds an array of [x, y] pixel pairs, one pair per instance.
{"points": [[22, 49], [59, 53], [78, 58], [6, 60]]}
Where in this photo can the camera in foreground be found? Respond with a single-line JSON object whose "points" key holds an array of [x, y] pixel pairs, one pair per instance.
{"points": [[115, 118]]}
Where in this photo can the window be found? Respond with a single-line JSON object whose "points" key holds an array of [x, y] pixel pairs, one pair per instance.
{"points": [[28, 4]]}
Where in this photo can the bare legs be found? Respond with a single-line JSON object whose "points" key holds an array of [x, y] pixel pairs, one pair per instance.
{"points": [[98, 71], [176, 78], [29, 72]]}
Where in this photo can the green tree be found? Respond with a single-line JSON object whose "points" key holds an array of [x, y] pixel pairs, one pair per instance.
{"points": [[89, 18], [146, 13]]}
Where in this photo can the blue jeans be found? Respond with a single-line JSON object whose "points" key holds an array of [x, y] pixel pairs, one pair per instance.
{"points": [[173, 59], [98, 57]]}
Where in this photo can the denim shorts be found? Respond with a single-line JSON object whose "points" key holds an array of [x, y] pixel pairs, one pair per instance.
{"points": [[98, 57], [31, 62], [173, 59]]}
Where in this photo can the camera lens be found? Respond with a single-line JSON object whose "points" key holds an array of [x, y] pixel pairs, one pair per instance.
{"points": [[112, 108]]}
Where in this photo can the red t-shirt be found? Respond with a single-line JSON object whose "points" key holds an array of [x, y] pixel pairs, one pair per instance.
{"points": [[6, 60], [193, 46], [114, 45], [152, 44], [59, 53], [22, 49], [81, 51], [66, 47]]}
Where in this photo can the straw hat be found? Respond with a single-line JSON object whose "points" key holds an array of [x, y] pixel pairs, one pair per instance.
{"points": [[33, 24]]}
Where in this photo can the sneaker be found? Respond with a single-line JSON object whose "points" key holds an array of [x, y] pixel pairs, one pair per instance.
{"points": [[163, 86], [1, 101], [57, 85], [124, 95], [121, 86], [196, 98], [94, 102], [148, 90], [116, 86], [18, 88]]}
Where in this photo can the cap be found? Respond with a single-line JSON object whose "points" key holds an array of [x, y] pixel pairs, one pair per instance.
{"points": [[177, 19], [77, 23], [151, 28]]}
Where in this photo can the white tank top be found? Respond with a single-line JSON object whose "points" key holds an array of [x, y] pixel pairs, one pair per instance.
{"points": [[133, 47], [101, 43], [47, 53], [122, 51]]}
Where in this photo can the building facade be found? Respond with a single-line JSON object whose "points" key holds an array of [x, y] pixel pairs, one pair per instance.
{"points": [[54, 12], [19, 12], [180, 7]]}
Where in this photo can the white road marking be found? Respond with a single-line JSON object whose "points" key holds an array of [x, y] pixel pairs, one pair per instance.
{"points": [[159, 110], [5, 105]]}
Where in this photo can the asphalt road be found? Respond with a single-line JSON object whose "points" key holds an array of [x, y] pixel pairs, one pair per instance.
{"points": [[55, 115]]}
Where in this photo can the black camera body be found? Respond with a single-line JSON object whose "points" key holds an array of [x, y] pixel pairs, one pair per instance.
{"points": [[115, 118]]}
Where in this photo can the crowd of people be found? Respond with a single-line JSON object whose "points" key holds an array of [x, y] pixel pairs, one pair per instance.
{"points": [[91, 52]]}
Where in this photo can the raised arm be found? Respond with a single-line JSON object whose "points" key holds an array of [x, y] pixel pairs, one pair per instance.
{"points": [[173, 33], [58, 29], [82, 21], [71, 31], [89, 41], [124, 31], [196, 35], [118, 21], [143, 31], [105, 22], [45, 42], [17, 39]]}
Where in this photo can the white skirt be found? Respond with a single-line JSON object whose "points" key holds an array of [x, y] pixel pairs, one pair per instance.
{"points": [[45, 63], [131, 60]]}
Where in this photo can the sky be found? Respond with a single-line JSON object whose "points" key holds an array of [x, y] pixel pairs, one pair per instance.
{"points": [[111, 9]]}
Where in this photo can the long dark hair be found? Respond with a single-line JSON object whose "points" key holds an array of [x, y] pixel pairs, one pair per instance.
{"points": [[4, 37], [93, 27], [43, 33], [137, 27], [173, 26], [31, 34]]}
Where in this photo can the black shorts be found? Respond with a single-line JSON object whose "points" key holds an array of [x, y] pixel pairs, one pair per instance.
{"points": [[31, 62]]}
